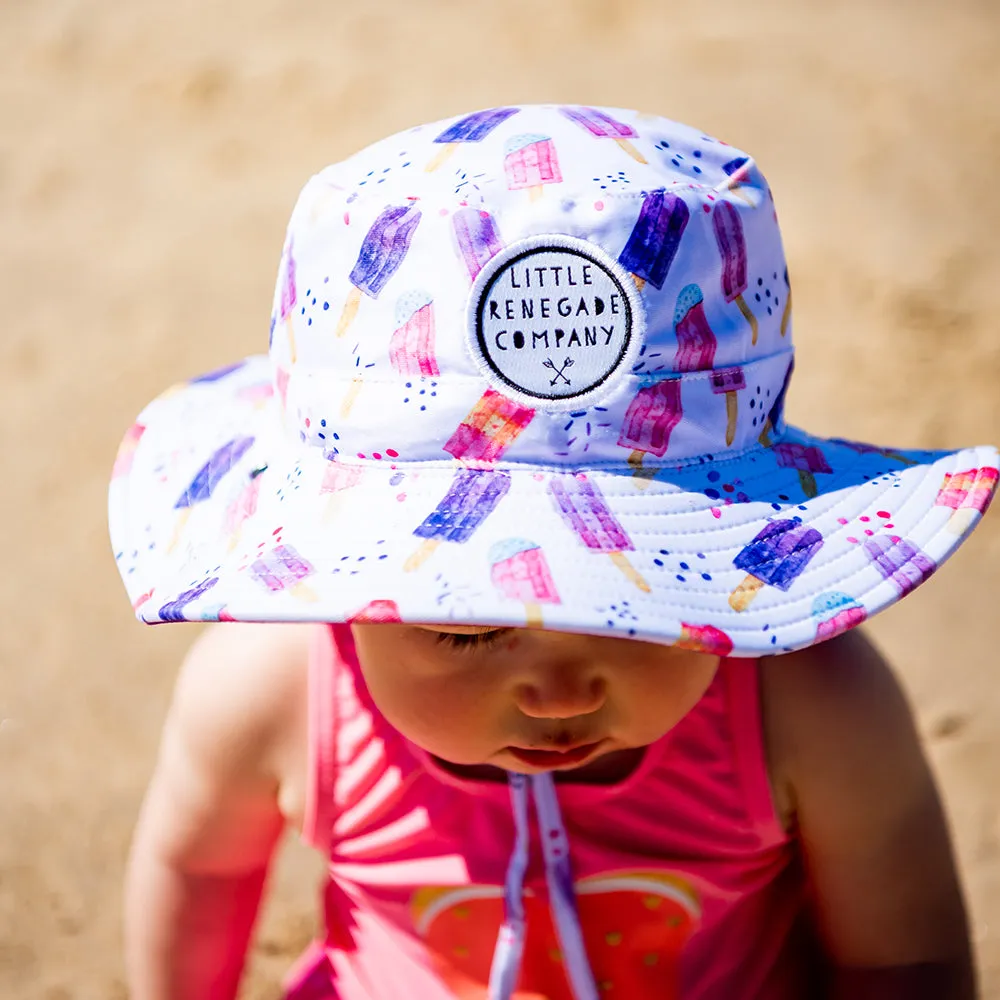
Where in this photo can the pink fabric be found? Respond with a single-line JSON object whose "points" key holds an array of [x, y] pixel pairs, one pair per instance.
{"points": [[687, 886]]}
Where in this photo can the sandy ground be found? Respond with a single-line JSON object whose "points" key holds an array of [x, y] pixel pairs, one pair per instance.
{"points": [[149, 155]]}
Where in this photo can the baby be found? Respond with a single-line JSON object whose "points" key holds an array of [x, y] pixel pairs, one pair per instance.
{"points": [[567, 689]]}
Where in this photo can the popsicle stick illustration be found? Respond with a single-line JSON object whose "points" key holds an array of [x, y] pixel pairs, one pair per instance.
{"points": [[777, 411], [478, 238], [807, 459], [283, 569], [382, 251], [776, 557], [733, 250], [835, 613], [288, 297], [519, 571], [968, 494], [583, 508], [655, 238], [471, 128], [738, 171], [651, 416], [530, 162], [786, 314], [471, 498], [900, 561], [491, 427], [338, 477], [411, 347], [354, 389], [603, 126], [205, 482], [704, 639], [728, 382]]}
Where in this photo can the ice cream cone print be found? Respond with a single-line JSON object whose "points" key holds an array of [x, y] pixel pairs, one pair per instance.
{"points": [[350, 310]]}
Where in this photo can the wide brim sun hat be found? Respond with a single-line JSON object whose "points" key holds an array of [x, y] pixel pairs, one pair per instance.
{"points": [[528, 367]]}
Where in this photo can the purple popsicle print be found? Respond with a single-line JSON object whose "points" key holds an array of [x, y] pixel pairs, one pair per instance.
{"points": [[471, 128], [205, 481], [899, 561], [382, 251], [737, 171], [478, 238], [173, 611], [728, 382], [603, 126], [779, 552], [654, 240], [471, 498], [733, 250], [807, 459], [582, 506], [284, 569]]}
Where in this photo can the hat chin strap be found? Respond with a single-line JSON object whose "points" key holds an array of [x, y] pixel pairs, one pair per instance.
{"points": [[555, 848]]}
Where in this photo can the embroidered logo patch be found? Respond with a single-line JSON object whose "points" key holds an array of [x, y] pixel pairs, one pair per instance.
{"points": [[553, 318]]}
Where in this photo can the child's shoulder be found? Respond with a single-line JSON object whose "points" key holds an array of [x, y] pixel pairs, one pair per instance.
{"points": [[240, 705]]}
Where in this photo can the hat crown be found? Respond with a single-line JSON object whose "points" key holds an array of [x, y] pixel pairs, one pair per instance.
{"points": [[393, 256]]}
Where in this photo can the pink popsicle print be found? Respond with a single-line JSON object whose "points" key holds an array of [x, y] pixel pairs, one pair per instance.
{"points": [[733, 250], [126, 450], [490, 428], [284, 569], [530, 162], [808, 459], [289, 296], [727, 382], [696, 342], [583, 508], [338, 477], [836, 613], [379, 611], [382, 252], [411, 348], [603, 126], [478, 238], [651, 416], [899, 561], [968, 494], [241, 509], [704, 639], [519, 571]]}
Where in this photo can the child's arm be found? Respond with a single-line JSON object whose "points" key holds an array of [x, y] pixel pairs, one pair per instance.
{"points": [[888, 904], [211, 817]]}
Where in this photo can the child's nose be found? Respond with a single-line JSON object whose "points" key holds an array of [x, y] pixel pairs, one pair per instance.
{"points": [[560, 693]]}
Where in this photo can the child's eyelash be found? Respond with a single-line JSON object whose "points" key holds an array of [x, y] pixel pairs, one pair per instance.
{"points": [[470, 640]]}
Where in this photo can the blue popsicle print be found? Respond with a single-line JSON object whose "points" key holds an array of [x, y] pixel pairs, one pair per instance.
{"points": [[211, 473], [776, 557]]}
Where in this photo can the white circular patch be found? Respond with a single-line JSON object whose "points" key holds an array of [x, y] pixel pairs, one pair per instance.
{"points": [[553, 318]]}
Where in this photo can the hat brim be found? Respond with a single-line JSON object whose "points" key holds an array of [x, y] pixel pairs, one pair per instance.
{"points": [[743, 556]]}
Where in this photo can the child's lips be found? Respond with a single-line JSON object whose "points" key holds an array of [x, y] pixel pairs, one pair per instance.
{"points": [[555, 759]]}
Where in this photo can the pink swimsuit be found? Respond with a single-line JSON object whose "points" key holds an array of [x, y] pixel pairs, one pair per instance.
{"points": [[686, 885]]}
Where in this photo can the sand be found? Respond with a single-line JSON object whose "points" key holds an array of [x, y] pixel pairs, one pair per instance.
{"points": [[149, 155]]}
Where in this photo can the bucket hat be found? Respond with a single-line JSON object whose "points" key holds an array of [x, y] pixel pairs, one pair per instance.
{"points": [[528, 366]]}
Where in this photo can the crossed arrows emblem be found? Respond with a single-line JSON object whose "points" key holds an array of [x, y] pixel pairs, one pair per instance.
{"points": [[568, 363]]}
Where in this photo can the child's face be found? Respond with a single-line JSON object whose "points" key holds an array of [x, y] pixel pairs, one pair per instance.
{"points": [[524, 699]]}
